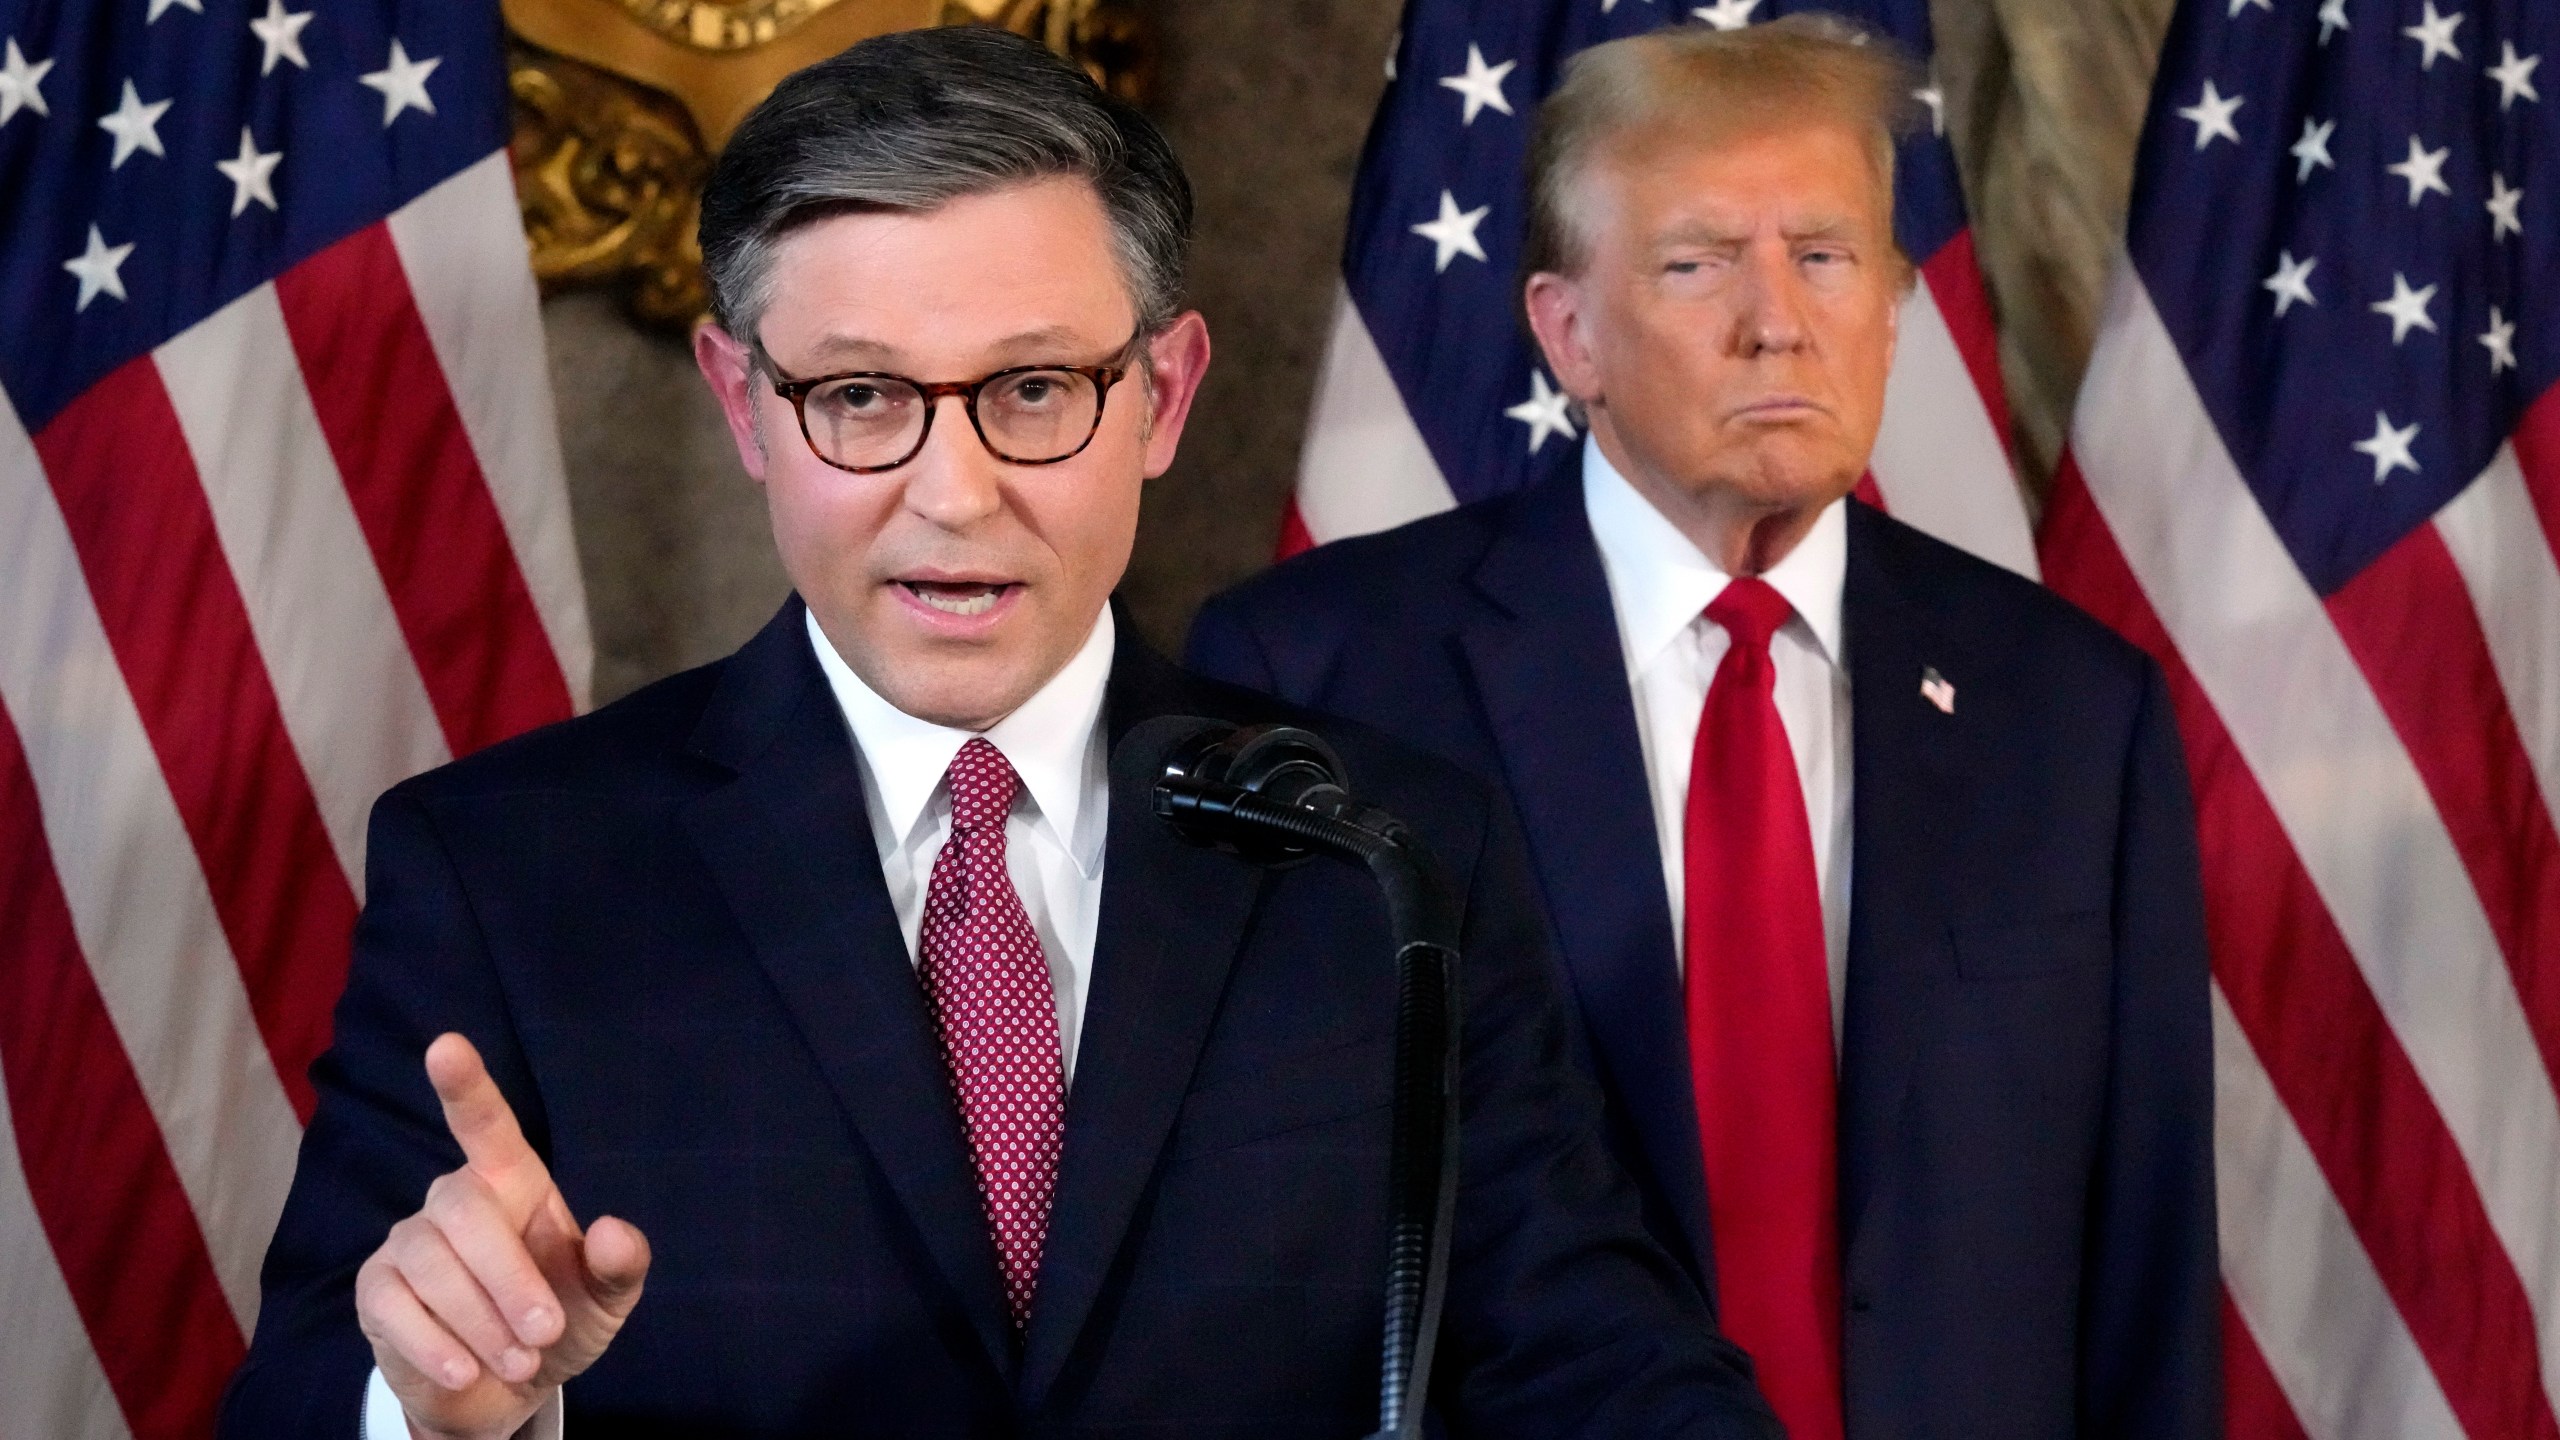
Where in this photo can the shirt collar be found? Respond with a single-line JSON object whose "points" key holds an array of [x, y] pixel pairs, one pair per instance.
{"points": [[1050, 740], [1659, 582]]}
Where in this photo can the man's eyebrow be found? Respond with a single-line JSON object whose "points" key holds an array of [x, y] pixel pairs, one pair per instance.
{"points": [[1047, 335], [1700, 232], [839, 348], [851, 347]]}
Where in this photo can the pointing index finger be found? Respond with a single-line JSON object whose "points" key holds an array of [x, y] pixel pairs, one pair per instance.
{"points": [[485, 1126]]}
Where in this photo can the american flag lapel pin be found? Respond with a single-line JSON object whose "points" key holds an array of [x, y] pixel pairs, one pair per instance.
{"points": [[1937, 690]]}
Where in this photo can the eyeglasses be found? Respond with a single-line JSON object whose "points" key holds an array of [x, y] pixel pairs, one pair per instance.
{"points": [[867, 421]]}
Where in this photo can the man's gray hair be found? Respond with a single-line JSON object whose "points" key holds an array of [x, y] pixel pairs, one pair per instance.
{"points": [[911, 120]]}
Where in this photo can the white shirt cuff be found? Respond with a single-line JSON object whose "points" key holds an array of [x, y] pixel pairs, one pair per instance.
{"points": [[385, 1420]]}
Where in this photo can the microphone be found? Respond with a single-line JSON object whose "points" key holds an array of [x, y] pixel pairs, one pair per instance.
{"points": [[1276, 795], [1250, 790]]}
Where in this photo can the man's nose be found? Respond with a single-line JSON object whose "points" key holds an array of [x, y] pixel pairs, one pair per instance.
{"points": [[1770, 318], [954, 481]]}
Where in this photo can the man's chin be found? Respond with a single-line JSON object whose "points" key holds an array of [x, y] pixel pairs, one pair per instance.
{"points": [[966, 694], [1792, 472], [965, 672]]}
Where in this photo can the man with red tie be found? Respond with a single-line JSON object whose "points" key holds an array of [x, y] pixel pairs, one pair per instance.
{"points": [[933, 1086], [1915, 1064]]}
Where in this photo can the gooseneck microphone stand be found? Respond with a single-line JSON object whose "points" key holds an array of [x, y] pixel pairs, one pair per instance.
{"points": [[1273, 795]]}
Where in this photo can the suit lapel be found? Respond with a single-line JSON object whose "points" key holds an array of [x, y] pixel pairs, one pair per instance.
{"points": [[1906, 800], [790, 845], [1551, 676], [1173, 917]]}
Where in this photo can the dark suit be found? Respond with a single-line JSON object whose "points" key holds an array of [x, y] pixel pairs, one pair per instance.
{"points": [[665, 927], [2026, 1181]]}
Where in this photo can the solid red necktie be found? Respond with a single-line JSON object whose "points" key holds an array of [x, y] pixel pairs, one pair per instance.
{"points": [[987, 983], [1758, 993]]}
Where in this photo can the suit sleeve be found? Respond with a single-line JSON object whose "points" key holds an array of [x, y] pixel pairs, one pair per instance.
{"points": [[1223, 647], [1565, 1318], [420, 968], [2150, 1336]]}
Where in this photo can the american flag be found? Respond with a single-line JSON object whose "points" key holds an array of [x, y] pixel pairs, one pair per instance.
{"points": [[2316, 472], [281, 521], [1432, 393]]}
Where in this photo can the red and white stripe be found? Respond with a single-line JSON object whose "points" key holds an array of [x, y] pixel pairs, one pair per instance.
{"points": [[1941, 459], [316, 543], [2374, 776]]}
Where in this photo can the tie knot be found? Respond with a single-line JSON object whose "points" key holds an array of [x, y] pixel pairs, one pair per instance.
{"points": [[983, 785], [1750, 610]]}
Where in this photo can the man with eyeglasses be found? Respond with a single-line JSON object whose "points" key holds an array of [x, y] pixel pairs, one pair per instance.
{"points": [[934, 1087]]}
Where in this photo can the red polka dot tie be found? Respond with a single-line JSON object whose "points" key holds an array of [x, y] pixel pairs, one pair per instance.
{"points": [[987, 985]]}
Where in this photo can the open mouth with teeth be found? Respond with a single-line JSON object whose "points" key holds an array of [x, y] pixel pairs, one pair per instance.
{"points": [[972, 597]]}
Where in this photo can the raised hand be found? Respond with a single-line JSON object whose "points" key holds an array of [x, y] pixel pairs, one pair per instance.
{"points": [[489, 1297]]}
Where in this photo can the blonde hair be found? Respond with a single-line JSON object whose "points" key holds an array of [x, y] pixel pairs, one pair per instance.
{"points": [[1709, 85]]}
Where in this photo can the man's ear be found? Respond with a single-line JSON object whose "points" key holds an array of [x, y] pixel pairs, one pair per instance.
{"points": [[1556, 306], [730, 372], [1177, 358]]}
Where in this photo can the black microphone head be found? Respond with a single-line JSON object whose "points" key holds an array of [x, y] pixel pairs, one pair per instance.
{"points": [[1150, 749], [1204, 769], [1280, 763]]}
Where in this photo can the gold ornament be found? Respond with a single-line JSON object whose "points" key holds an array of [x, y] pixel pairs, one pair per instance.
{"points": [[724, 24]]}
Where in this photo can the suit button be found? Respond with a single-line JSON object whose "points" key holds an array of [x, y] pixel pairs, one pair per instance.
{"points": [[1861, 1304]]}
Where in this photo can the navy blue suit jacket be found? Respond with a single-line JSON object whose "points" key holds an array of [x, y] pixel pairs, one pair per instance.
{"points": [[665, 927], [2026, 1182]]}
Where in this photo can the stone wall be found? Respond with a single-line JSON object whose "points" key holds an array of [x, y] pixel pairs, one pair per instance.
{"points": [[1268, 103]]}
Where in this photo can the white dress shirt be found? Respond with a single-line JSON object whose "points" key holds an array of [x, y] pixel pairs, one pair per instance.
{"points": [[1052, 845], [1659, 588], [1053, 838]]}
